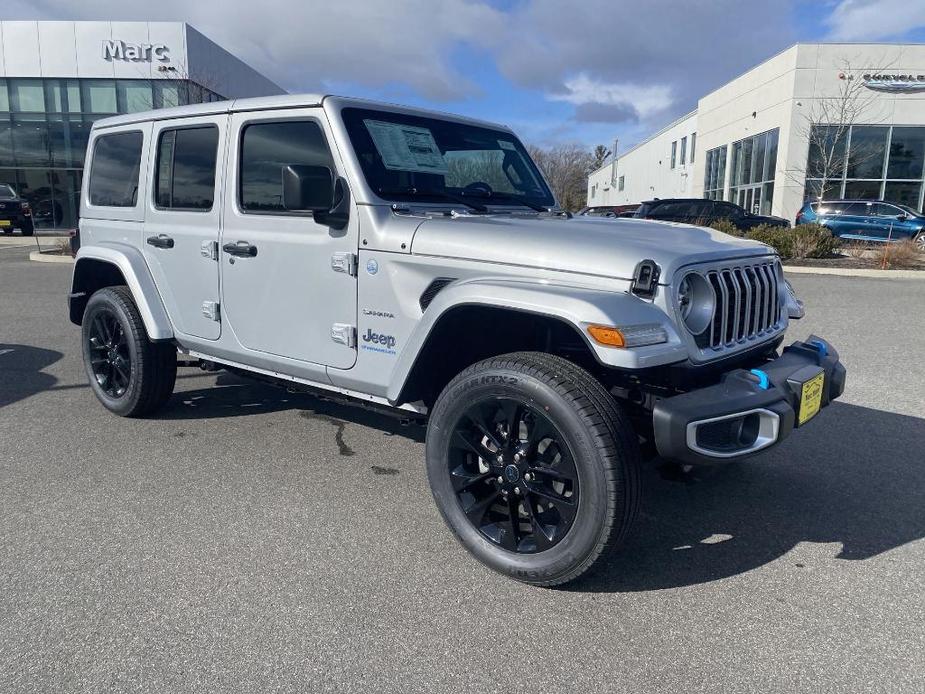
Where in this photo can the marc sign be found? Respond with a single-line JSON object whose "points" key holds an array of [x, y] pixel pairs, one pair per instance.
{"points": [[135, 52], [891, 82]]}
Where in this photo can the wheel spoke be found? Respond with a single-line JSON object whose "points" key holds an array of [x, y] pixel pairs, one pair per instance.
{"points": [[461, 440], [478, 419], [513, 413], [510, 538], [543, 541], [476, 511], [463, 479]]}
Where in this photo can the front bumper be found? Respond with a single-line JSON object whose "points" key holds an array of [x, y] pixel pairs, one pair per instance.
{"points": [[749, 410]]}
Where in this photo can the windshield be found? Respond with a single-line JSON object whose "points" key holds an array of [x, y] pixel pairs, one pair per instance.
{"points": [[6, 192], [407, 158]]}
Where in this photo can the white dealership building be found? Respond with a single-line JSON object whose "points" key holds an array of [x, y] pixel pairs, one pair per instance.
{"points": [[773, 137], [56, 78]]}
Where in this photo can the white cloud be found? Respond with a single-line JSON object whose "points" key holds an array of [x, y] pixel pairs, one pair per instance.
{"points": [[871, 20], [645, 100]]}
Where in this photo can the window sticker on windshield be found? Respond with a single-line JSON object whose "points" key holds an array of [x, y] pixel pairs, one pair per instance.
{"points": [[406, 147], [504, 144]]}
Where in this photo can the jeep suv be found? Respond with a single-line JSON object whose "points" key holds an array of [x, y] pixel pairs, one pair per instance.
{"points": [[866, 220], [15, 213], [702, 211], [418, 263]]}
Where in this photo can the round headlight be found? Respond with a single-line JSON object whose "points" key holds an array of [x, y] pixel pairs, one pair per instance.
{"points": [[696, 302]]}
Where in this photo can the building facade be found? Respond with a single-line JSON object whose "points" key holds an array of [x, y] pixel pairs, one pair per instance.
{"points": [[815, 121], [57, 78]]}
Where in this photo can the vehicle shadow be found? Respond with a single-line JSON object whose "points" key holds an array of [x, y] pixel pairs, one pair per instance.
{"points": [[855, 477], [233, 396], [21, 371]]}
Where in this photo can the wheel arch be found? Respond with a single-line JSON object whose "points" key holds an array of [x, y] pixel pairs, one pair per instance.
{"points": [[476, 319], [97, 267]]}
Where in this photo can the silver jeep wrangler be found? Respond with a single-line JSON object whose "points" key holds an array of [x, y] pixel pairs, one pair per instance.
{"points": [[417, 262]]}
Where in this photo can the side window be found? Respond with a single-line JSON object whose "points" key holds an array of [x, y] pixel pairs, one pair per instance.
{"points": [[727, 210], [266, 149], [115, 169], [185, 174], [882, 210], [858, 209]]}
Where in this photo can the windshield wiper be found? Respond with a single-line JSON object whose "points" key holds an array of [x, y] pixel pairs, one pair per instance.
{"points": [[419, 192]]}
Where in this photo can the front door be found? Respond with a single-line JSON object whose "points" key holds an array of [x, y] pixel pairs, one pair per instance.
{"points": [[182, 220], [281, 294]]}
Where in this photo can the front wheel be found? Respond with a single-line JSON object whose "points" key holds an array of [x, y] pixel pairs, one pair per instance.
{"points": [[533, 466], [129, 374], [27, 227], [919, 241]]}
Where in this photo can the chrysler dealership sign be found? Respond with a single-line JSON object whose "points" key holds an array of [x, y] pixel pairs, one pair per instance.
{"points": [[135, 52], [888, 82]]}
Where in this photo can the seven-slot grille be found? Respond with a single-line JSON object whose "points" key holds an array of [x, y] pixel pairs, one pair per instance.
{"points": [[747, 305]]}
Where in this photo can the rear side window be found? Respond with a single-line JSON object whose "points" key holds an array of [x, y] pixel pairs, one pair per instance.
{"points": [[674, 209], [266, 149], [858, 209], [185, 178], [115, 169]]}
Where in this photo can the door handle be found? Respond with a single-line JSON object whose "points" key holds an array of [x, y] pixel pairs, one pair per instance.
{"points": [[160, 241], [241, 249]]}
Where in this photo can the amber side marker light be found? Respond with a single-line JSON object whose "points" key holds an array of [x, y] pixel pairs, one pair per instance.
{"points": [[607, 336], [628, 335]]}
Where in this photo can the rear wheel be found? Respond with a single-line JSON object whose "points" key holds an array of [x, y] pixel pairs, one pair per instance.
{"points": [[533, 466], [27, 227], [129, 374], [920, 241]]}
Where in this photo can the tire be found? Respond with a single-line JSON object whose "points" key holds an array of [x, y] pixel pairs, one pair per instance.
{"points": [[27, 227], [591, 459], [919, 241], [130, 375]]}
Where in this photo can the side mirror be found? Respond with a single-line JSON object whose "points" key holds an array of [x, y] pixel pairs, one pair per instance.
{"points": [[902, 217], [308, 188]]}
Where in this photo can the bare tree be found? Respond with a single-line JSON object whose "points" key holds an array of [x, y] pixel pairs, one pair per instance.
{"points": [[600, 155], [827, 127], [566, 169]]}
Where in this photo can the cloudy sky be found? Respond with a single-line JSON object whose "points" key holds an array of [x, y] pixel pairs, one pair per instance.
{"points": [[555, 70]]}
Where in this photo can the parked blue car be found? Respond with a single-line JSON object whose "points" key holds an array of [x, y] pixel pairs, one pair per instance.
{"points": [[866, 220]]}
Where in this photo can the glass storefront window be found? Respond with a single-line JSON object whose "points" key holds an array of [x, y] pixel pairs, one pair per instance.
{"points": [[6, 141], [27, 96], [30, 140], [904, 192], [907, 153], [866, 152], [4, 97], [754, 165], [714, 178], [134, 96], [862, 190], [99, 96]]}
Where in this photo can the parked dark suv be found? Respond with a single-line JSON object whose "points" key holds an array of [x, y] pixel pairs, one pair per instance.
{"points": [[14, 212], [704, 213], [866, 220], [608, 211]]}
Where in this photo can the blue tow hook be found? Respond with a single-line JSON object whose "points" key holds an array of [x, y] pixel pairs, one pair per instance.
{"points": [[820, 347], [763, 381]]}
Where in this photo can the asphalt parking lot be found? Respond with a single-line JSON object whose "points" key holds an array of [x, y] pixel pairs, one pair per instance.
{"points": [[255, 540]]}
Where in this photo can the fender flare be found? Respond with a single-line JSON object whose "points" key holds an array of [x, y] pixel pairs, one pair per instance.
{"points": [[577, 306], [131, 263]]}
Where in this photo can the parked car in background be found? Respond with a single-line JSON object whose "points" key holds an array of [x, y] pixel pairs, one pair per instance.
{"points": [[704, 212], [866, 220], [608, 211], [15, 212]]}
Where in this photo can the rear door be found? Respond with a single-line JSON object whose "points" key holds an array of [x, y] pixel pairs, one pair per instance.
{"points": [[183, 218], [288, 294]]}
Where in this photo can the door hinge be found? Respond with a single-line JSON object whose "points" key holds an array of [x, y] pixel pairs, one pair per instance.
{"points": [[344, 334], [209, 249], [211, 310], [344, 262]]}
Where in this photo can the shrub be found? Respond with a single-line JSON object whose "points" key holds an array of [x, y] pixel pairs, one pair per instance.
{"points": [[855, 249], [813, 241], [727, 227], [899, 254], [778, 238]]}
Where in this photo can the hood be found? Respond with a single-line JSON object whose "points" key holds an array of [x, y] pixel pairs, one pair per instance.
{"points": [[603, 247]]}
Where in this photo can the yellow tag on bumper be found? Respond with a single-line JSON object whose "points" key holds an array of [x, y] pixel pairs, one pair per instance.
{"points": [[811, 398], [5, 223]]}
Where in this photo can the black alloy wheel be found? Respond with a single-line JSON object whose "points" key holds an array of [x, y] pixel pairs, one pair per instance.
{"points": [[514, 475], [533, 466], [110, 358]]}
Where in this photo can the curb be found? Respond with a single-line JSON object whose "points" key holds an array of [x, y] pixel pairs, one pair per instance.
{"points": [[40, 257], [857, 272]]}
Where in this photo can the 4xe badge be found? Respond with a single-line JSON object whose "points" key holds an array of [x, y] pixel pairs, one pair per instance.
{"points": [[372, 266]]}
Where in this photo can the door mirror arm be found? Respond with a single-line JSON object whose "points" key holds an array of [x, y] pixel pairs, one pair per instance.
{"points": [[338, 215]]}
